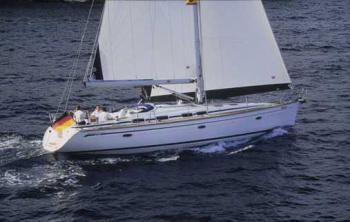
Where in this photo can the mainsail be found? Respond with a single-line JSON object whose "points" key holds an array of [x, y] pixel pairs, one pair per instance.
{"points": [[154, 42], [146, 41]]}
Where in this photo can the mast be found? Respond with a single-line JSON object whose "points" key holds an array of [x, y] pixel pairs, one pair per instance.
{"points": [[200, 93]]}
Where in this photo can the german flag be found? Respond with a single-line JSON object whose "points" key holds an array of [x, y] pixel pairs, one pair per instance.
{"points": [[63, 122]]}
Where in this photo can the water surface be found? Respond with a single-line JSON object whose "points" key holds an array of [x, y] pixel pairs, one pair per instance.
{"points": [[298, 175]]}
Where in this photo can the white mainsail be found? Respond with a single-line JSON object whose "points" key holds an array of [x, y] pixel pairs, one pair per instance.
{"points": [[146, 40], [142, 39]]}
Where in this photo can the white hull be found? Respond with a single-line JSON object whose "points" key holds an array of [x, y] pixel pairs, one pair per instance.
{"points": [[177, 133]]}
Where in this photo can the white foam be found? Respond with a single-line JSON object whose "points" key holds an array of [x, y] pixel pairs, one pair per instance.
{"points": [[13, 141], [7, 142], [221, 147], [64, 173], [211, 148], [233, 144], [15, 147], [12, 177], [275, 133], [166, 159], [111, 161], [240, 150]]}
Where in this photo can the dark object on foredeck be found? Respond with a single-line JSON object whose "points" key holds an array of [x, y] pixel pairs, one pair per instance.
{"points": [[162, 118], [138, 120], [186, 114], [201, 113], [82, 122]]}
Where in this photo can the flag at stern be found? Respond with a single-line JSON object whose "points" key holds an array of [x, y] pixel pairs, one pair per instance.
{"points": [[63, 122]]}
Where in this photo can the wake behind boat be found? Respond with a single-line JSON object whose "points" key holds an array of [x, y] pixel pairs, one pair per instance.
{"points": [[192, 51]]}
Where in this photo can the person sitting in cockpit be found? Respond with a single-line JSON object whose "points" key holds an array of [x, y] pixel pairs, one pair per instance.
{"points": [[99, 116], [79, 116]]}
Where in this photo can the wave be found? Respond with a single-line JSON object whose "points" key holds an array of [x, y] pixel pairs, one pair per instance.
{"points": [[167, 159], [275, 133], [12, 141], [234, 147], [24, 164], [241, 150], [59, 173], [15, 147], [211, 148]]}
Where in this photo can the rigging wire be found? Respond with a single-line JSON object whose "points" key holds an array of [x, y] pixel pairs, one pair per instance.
{"points": [[153, 31], [75, 65], [133, 48], [89, 67], [68, 87]]}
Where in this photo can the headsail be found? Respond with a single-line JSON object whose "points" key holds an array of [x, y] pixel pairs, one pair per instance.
{"points": [[239, 51]]}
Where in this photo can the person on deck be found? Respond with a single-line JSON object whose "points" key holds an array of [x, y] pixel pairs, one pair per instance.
{"points": [[79, 116], [99, 116], [95, 114]]}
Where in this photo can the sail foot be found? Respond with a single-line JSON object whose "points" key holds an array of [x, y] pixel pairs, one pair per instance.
{"points": [[136, 82]]}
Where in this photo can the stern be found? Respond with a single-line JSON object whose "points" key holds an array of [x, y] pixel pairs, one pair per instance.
{"points": [[54, 140]]}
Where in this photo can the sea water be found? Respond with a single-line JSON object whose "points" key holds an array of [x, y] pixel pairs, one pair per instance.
{"points": [[296, 174]]}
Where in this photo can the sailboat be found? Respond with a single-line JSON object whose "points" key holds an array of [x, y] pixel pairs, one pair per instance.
{"points": [[190, 52]]}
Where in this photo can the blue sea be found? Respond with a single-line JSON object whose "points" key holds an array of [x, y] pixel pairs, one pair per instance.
{"points": [[297, 174]]}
